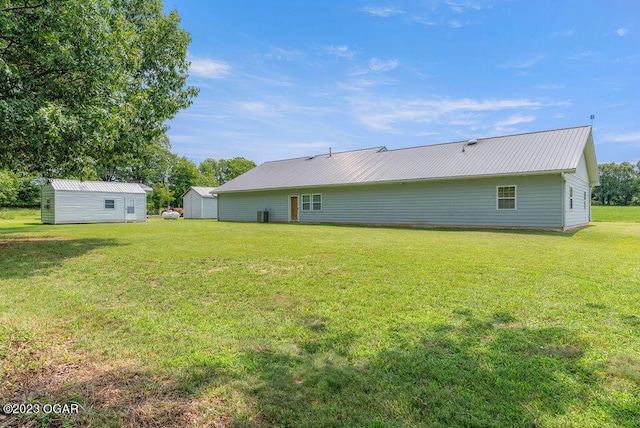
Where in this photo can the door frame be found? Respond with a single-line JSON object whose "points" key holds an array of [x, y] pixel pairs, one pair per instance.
{"points": [[297, 208], [127, 216]]}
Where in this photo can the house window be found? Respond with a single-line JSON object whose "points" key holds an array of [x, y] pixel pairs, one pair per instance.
{"points": [[570, 197], [506, 198], [584, 203], [312, 202], [317, 202], [109, 204]]}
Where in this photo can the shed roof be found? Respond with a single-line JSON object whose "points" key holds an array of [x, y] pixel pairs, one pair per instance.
{"points": [[532, 153], [95, 186], [205, 192]]}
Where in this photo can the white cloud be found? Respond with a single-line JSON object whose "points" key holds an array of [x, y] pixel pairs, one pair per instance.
{"points": [[382, 114], [548, 86], [579, 56], [463, 6], [630, 137], [622, 31], [454, 23], [283, 54], [566, 33], [256, 108], [514, 120], [340, 51], [377, 65], [529, 62], [208, 68], [382, 12]]}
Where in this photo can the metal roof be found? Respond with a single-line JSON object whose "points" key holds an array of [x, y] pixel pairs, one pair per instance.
{"points": [[95, 186], [538, 152], [205, 192]]}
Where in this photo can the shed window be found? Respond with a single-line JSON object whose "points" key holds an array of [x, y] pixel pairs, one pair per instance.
{"points": [[506, 197], [109, 204], [312, 202], [570, 197]]}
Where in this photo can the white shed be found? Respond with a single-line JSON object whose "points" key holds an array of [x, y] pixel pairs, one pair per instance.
{"points": [[200, 202], [73, 201]]}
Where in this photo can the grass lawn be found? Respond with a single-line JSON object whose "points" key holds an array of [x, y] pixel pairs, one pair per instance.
{"points": [[615, 214], [200, 323]]}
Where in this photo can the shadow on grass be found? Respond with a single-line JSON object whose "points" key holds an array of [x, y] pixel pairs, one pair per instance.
{"points": [[482, 229], [467, 373], [472, 373], [21, 257]]}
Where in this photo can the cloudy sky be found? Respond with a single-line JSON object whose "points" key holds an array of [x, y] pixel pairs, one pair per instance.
{"points": [[288, 78]]}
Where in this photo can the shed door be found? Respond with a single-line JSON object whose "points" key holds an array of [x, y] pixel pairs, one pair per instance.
{"points": [[130, 207], [294, 208]]}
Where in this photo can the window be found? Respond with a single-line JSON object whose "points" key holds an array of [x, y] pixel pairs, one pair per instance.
{"points": [[506, 197], [312, 202], [306, 202], [109, 204], [584, 204], [570, 197], [317, 202]]}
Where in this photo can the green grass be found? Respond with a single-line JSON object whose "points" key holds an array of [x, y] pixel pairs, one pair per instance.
{"points": [[615, 214], [205, 323]]}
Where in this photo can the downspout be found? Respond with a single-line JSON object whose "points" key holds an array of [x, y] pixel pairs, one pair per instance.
{"points": [[564, 195]]}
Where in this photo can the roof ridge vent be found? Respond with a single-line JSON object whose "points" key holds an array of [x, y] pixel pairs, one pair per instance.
{"points": [[472, 142]]}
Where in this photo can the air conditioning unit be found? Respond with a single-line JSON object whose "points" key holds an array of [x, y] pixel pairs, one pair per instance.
{"points": [[263, 216]]}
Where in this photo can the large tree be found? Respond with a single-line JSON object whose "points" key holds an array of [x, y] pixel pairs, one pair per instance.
{"points": [[86, 86]]}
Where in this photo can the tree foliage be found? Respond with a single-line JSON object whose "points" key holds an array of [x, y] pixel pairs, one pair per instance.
{"points": [[86, 86], [217, 172], [619, 184]]}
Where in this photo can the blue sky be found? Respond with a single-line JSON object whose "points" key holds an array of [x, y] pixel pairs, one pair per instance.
{"points": [[281, 79]]}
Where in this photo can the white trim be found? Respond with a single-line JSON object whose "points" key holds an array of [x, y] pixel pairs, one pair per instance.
{"points": [[515, 198], [311, 203]]}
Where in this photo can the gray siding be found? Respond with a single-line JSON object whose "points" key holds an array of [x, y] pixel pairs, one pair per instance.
{"points": [[88, 207], [580, 213], [244, 206], [209, 208], [47, 205], [192, 205], [469, 202], [196, 206]]}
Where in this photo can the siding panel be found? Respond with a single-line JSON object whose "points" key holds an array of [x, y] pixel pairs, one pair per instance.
{"points": [[455, 202]]}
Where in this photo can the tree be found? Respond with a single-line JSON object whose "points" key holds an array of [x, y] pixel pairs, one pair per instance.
{"points": [[214, 173], [619, 184], [8, 189], [86, 86], [182, 175]]}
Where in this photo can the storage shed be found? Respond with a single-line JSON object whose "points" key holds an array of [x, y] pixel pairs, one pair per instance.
{"points": [[539, 180], [200, 202], [72, 201]]}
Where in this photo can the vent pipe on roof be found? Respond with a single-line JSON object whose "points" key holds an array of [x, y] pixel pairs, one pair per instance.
{"points": [[329, 151]]}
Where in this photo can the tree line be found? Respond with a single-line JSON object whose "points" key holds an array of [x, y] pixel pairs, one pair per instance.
{"points": [[619, 184]]}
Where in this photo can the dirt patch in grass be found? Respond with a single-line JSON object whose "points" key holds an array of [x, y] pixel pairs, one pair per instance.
{"points": [[107, 394], [626, 367], [9, 242]]}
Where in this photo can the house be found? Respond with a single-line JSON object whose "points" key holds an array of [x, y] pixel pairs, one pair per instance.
{"points": [[200, 202], [72, 201], [539, 180]]}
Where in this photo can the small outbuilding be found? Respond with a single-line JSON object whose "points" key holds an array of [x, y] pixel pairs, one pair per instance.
{"points": [[73, 201], [200, 202]]}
